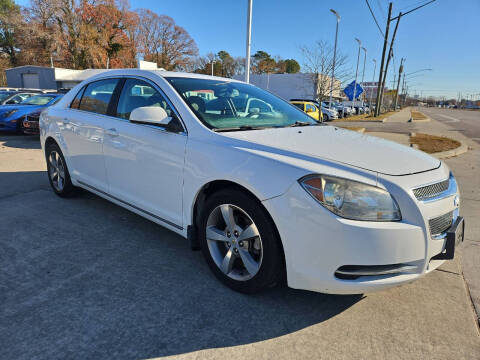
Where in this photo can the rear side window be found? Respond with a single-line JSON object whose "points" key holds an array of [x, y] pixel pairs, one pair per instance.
{"points": [[299, 105], [97, 96], [76, 101]]}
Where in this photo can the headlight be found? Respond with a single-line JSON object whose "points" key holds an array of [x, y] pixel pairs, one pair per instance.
{"points": [[351, 199]]}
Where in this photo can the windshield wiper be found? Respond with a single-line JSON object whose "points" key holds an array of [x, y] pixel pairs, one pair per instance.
{"points": [[240, 128], [303, 123]]}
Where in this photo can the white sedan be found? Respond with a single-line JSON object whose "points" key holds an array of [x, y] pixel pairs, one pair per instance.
{"points": [[265, 191]]}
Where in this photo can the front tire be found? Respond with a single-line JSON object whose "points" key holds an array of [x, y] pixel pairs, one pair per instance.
{"points": [[57, 171], [239, 242]]}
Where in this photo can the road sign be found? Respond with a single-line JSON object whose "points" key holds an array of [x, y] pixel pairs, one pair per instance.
{"points": [[349, 90]]}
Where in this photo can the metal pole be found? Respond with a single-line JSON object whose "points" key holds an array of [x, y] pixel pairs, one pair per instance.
{"points": [[249, 38], [356, 72], [363, 72], [377, 104], [334, 58], [400, 70], [373, 80]]}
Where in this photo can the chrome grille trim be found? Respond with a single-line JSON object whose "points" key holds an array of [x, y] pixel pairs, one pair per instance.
{"points": [[440, 224], [431, 191]]}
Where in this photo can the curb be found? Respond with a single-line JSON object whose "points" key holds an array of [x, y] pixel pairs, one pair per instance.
{"points": [[463, 148], [420, 120]]}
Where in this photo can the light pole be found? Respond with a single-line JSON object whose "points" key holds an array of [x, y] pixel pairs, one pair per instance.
{"points": [[356, 72], [249, 38], [334, 57], [363, 72], [213, 61], [373, 80]]}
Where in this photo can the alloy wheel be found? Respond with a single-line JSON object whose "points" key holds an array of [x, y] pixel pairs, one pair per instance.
{"points": [[234, 242], [56, 170]]}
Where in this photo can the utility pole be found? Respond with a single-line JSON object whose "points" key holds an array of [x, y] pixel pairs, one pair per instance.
{"points": [[400, 71], [371, 89], [382, 62], [249, 39], [390, 55]]}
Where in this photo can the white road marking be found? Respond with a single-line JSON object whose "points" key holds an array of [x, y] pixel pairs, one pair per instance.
{"points": [[452, 119]]}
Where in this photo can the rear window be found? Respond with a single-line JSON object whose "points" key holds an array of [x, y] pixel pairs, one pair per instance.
{"points": [[97, 96]]}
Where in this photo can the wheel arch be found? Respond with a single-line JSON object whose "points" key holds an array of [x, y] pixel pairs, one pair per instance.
{"points": [[213, 187]]}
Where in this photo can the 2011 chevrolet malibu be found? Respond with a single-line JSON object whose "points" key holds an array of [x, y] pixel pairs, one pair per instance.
{"points": [[264, 190]]}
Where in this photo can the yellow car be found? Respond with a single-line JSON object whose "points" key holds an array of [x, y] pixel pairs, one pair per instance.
{"points": [[310, 108]]}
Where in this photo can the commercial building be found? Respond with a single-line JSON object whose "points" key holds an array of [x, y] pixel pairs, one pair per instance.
{"points": [[51, 78], [295, 86]]}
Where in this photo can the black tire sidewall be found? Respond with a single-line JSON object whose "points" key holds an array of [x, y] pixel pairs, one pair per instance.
{"points": [[271, 267], [68, 188]]}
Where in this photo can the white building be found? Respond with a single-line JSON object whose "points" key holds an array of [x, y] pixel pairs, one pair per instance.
{"points": [[294, 86]]}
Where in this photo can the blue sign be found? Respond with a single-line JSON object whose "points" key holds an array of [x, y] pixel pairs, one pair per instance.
{"points": [[349, 90]]}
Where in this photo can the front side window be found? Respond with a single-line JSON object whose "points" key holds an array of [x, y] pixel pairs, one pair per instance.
{"points": [[97, 96], [138, 93], [225, 104], [310, 108]]}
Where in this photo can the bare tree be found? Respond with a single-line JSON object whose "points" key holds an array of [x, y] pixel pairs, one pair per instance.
{"points": [[318, 63], [164, 42]]}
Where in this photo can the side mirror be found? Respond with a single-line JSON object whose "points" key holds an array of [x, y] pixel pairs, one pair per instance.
{"points": [[152, 115]]}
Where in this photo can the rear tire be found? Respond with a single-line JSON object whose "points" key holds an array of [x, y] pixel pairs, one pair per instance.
{"points": [[239, 242], [57, 171]]}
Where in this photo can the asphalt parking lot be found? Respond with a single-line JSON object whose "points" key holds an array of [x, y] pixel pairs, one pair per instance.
{"points": [[83, 278]]}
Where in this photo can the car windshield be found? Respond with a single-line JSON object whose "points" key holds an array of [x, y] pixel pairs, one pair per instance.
{"points": [[38, 100], [224, 105], [4, 95]]}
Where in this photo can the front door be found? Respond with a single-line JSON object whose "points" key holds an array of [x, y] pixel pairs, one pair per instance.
{"points": [[144, 162]]}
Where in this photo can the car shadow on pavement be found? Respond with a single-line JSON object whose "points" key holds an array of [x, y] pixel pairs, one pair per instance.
{"points": [[19, 141], [85, 278]]}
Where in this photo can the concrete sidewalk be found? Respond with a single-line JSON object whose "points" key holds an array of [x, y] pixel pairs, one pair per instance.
{"points": [[402, 116]]}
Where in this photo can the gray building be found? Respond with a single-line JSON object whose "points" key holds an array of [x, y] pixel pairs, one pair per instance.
{"points": [[46, 78]]}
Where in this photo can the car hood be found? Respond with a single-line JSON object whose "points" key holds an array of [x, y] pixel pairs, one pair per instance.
{"points": [[343, 146], [21, 109]]}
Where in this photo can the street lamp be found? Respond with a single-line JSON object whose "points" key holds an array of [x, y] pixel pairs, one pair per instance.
{"points": [[373, 80], [356, 72], [249, 39], [334, 57], [363, 73]]}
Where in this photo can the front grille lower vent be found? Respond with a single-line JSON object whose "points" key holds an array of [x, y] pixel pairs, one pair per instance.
{"points": [[440, 224], [430, 191]]}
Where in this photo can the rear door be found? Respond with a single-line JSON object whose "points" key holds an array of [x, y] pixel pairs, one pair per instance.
{"points": [[82, 129], [144, 162]]}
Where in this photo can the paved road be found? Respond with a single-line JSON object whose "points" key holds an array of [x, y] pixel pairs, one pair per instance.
{"points": [[466, 121], [82, 278]]}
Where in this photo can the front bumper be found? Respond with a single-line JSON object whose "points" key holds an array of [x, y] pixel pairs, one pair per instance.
{"points": [[10, 124], [319, 245]]}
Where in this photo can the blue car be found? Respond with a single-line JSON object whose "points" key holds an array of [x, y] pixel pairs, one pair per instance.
{"points": [[11, 116]]}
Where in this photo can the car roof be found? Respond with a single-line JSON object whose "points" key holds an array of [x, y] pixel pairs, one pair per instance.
{"points": [[162, 73]]}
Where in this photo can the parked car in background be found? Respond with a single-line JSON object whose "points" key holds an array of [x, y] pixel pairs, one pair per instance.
{"points": [[12, 116], [14, 97], [329, 114], [341, 110], [265, 195], [309, 107]]}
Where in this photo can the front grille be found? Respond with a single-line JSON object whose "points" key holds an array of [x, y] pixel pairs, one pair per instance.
{"points": [[430, 191], [440, 224]]}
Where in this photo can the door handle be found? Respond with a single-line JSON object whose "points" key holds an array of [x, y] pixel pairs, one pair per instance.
{"points": [[112, 132]]}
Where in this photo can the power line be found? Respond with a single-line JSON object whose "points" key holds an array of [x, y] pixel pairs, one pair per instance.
{"points": [[374, 18]]}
